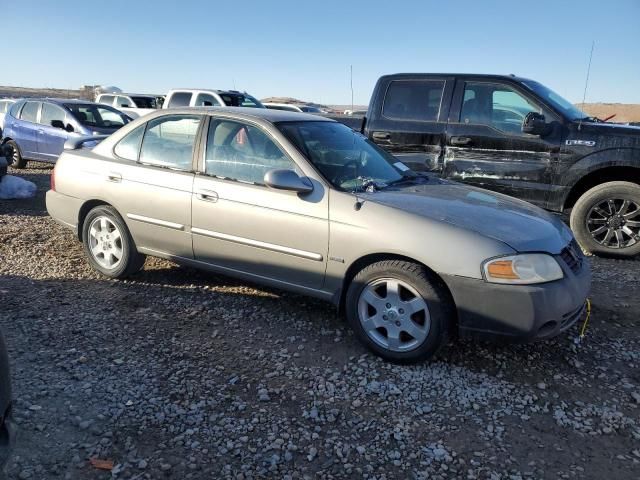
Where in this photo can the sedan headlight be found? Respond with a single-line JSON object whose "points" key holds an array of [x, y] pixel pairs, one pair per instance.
{"points": [[522, 269]]}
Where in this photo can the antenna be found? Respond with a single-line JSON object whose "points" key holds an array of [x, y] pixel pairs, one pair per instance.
{"points": [[586, 83], [351, 81]]}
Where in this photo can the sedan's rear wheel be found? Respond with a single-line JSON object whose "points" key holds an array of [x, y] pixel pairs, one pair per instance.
{"points": [[399, 310], [108, 243]]}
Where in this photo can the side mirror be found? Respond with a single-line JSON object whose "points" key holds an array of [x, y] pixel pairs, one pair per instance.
{"points": [[69, 128], [124, 105], [58, 124], [534, 124], [287, 180]]}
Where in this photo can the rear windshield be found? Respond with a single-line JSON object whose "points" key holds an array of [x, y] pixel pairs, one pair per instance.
{"points": [[240, 100], [145, 102], [99, 116]]}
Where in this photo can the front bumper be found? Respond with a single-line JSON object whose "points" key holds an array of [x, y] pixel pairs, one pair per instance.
{"points": [[7, 439], [519, 313]]}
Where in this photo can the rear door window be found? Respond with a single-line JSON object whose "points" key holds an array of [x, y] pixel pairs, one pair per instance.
{"points": [[30, 112], [416, 100], [180, 99], [169, 141]]}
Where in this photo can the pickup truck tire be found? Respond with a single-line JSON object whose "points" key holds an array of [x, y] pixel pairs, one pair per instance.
{"points": [[16, 159], [108, 243], [399, 310], [606, 220]]}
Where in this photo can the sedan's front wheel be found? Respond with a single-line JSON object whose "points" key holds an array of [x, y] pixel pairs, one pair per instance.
{"points": [[400, 310], [108, 243]]}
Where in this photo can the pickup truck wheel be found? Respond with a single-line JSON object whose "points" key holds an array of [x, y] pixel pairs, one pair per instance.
{"points": [[606, 220], [16, 158], [109, 245], [399, 310]]}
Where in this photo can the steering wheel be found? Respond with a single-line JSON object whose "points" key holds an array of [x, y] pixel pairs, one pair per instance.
{"points": [[344, 174]]}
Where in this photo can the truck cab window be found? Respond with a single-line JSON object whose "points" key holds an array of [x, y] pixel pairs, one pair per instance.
{"points": [[417, 100], [498, 106]]}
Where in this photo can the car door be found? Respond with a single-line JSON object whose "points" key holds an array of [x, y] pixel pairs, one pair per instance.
{"points": [[25, 130], [51, 139], [152, 186], [242, 225], [411, 119], [486, 146]]}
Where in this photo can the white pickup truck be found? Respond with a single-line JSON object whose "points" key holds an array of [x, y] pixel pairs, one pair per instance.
{"points": [[133, 104], [190, 97]]}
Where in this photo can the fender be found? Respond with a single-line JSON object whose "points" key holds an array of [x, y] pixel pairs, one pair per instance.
{"points": [[568, 178]]}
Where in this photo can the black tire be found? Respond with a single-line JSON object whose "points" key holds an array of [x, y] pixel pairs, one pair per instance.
{"points": [[590, 200], [16, 160], [429, 287], [130, 261]]}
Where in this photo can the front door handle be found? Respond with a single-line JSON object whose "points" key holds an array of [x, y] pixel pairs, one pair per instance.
{"points": [[381, 135], [207, 195], [460, 141], [114, 177]]}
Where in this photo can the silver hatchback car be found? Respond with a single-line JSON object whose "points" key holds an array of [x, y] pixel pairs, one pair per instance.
{"points": [[304, 203]]}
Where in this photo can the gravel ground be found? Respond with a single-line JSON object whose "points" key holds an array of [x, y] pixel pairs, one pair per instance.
{"points": [[182, 374]]}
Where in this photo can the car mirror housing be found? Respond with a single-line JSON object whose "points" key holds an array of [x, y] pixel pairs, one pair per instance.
{"points": [[287, 180], [535, 124], [58, 124], [69, 128]]}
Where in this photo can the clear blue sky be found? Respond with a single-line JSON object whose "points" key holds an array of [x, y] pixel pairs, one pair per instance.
{"points": [[303, 49]]}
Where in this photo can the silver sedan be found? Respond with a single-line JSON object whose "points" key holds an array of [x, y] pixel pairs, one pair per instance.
{"points": [[303, 203]]}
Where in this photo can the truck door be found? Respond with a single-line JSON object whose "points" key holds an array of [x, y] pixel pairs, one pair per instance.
{"points": [[486, 147], [410, 118]]}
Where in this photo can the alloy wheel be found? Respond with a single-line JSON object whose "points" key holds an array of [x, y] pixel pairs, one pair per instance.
{"points": [[105, 242], [393, 314], [615, 223]]}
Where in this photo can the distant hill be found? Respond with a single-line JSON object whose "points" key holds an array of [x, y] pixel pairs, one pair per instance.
{"points": [[624, 112], [18, 92]]}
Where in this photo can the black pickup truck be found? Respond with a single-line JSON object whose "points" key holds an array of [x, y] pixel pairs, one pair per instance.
{"points": [[515, 136]]}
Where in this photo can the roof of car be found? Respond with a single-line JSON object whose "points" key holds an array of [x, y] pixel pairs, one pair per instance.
{"points": [[213, 90], [267, 114], [59, 101], [485, 76]]}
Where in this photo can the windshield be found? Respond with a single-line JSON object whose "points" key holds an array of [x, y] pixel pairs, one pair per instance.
{"points": [[240, 100], [564, 106], [344, 157], [100, 116], [145, 102]]}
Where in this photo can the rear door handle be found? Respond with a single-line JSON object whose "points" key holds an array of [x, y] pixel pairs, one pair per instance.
{"points": [[460, 140], [381, 135], [114, 177], [207, 195]]}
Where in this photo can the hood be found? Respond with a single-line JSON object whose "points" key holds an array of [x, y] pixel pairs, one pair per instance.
{"points": [[522, 226], [607, 135]]}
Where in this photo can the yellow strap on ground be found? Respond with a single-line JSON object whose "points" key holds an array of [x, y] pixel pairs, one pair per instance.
{"points": [[586, 320]]}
